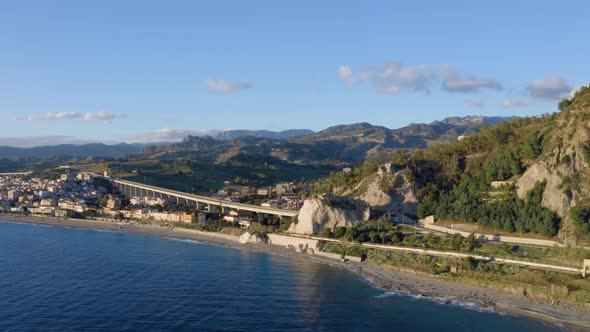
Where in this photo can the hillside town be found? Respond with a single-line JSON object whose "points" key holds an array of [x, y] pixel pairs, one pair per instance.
{"points": [[74, 194]]}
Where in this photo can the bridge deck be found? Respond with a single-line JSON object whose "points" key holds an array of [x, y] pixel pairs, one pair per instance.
{"points": [[209, 200]]}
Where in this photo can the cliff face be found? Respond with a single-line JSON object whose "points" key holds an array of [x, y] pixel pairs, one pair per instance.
{"points": [[564, 168], [328, 211], [389, 190]]}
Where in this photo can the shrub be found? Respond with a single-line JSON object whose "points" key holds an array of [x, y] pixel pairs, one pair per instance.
{"points": [[581, 217]]}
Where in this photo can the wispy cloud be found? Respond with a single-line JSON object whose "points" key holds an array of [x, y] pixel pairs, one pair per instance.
{"points": [[51, 116], [470, 85], [31, 141], [173, 135], [453, 81], [475, 103], [513, 102], [103, 116], [391, 77], [551, 88], [345, 73], [394, 77], [225, 86]]}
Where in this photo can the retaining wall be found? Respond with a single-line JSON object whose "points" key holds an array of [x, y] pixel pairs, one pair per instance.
{"points": [[497, 238]]}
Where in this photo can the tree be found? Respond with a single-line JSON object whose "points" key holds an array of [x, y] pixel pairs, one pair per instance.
{"points": [[471, 241], [457, 241], [564, 104], [339, 232], [327, 232], [351, 234], [581, 217], [373, 236]]}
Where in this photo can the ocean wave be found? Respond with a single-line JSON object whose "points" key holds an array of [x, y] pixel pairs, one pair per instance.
{"points": [[183, 240], [441, 300]]}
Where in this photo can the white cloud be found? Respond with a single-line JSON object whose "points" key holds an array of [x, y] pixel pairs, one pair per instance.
{"points": [[32, 141], [393, 77], [475, 103], [575, 90], [225, 86], [172, 135], [103, 116], [551, 88], [470, 85], [63, 115], [453, 81], [345, 73], [50, 116], [513, 102]]}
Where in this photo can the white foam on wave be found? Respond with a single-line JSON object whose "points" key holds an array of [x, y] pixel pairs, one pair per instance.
{"points": [[183, 240], [436, 299], [441, 300]]}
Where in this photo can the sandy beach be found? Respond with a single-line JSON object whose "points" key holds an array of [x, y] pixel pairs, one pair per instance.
{"points": [[405, 282]]}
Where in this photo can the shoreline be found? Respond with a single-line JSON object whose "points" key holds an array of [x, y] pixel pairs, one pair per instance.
{"points": [[391, 280]]}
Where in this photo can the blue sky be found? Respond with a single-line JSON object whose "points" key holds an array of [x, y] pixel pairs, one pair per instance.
{"points": [[154, 70]]}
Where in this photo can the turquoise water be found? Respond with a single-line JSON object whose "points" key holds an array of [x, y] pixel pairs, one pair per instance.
{"points": [[67, 279]]}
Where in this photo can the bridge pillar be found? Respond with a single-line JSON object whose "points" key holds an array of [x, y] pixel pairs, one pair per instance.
{"points": [[213, 208]]}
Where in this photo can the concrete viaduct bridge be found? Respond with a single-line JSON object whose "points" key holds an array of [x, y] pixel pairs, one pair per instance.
{"points": [[15, 173], [135, 189]]}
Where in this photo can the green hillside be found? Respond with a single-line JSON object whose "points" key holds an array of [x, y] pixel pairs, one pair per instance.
{"points": [[542, 161]]}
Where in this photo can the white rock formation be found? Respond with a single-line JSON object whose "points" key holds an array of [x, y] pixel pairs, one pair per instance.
{"points": [[327, 211], [401, 196], [250, 238]]}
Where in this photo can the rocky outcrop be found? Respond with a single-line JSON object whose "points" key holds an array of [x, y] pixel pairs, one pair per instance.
{"points": [[251, 238], [330, 212], [391, 191], [565, 170]]}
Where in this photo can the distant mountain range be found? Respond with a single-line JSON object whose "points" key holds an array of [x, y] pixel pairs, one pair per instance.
{"points": [[231, 134], [70, 150], [343, 144]]}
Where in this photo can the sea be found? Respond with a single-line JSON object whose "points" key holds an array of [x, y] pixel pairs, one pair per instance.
{"points": [[66, 279]]}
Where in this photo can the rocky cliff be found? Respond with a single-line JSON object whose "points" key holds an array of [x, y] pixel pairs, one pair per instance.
{"points": [[564, 168], [389, 190], [330, 212]]}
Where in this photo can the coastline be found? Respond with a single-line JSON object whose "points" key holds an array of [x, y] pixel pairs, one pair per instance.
{"points": [[389, 279]]}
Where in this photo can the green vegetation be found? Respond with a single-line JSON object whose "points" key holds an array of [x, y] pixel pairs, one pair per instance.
{"points": [[383, 232], [470, 201], [345, 180], [201, 177], [581, 217], [580, 99]]}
